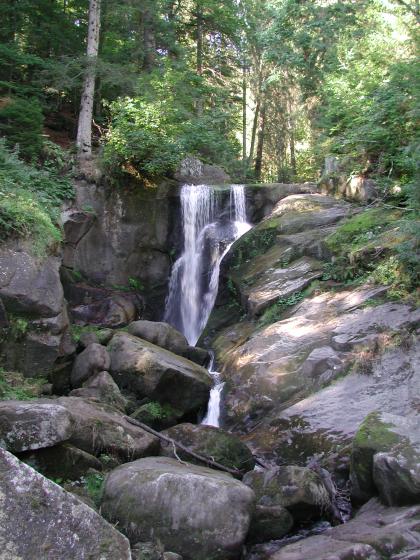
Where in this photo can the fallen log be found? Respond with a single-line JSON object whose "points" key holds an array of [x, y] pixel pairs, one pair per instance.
{"points": [[202, 458]]}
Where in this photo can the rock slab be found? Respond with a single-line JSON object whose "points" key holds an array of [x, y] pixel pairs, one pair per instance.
{"points": [[38, 519]]}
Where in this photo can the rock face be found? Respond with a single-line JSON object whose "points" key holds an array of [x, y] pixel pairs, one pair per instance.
{"points": [[28, 425], [161, 334], [221, 446], [386, 459], [129, 237], [100, 428], [298, 489], [197, 512], [375, 533], [40, 520], [92, 360], [150, 371], [32, 295]]}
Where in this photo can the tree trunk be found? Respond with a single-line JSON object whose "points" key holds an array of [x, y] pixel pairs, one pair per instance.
{"points": [[260, 144], [149, 40], [256, 119], [244, 158], [199, 24], [84, 128]]}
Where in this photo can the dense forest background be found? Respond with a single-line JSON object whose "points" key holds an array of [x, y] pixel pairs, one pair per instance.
{"points": [[265, 88]]}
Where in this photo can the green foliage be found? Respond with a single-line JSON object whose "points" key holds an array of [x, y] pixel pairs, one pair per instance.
{"points": [[275, 311], [158, 411], [18, 327], [14, 386], [29, 200], [93, 483], [21, 122]]}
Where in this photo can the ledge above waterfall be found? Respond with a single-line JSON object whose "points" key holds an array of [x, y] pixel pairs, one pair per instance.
{"points": [[194, 172]]}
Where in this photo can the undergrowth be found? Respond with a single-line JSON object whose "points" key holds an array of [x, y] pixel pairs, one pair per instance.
{"points": [[14, 386], [30, 198]]}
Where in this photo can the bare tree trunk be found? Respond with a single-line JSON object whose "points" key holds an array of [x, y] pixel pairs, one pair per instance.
{"points": [[149, 39], [256, 119], [199, 24], [244, 86], [84, 128], [260, 144]]}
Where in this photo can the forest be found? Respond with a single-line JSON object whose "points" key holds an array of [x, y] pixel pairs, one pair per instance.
{"points": [[209, 279]]}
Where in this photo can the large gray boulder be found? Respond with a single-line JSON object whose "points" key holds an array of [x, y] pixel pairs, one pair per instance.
{"points": [[197, 512], [375, 533], [150, 371], [40, 520], [193, 171], [299, 489], [102, 388], [161, 334], [92, 360], [34, 424], [221, 446], [30, 285], [100, 428]]}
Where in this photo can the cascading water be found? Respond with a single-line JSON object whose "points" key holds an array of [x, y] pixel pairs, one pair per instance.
{"points": [[208, 236]]}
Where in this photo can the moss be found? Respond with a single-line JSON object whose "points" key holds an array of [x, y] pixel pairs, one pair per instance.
{"points": [[374, 432], [14, 386]]}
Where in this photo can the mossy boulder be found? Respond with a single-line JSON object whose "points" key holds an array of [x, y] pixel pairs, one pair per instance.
{"points": [[200, 513], [219, 445], [299, 489], [269, 523], [385, 458], [156, 415]]}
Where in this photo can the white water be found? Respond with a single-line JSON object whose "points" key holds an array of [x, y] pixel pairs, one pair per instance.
{"points": [[194, 280]]}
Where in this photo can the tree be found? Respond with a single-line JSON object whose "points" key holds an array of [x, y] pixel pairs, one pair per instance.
{"points": [[84, 129]]}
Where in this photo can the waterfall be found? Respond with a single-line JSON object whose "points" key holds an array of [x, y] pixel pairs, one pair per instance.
{"points": [[208, 236]]}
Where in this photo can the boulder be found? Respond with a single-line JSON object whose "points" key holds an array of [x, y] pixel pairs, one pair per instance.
{"points": [[157, 416], [30, 285], [102, 388], [161, 334], [386, 458], [198, 355], [150, 371], [146, 551], [40, 520], [194, 511], [88, 338], [62, 461], [269, 523], [100, 428], [113, 311], [299, 489], [375, 533], [221, 446], [194, 172], [92, 360], [33, 424]]}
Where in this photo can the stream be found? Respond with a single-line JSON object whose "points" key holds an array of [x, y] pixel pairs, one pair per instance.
{"points": [[209, 229]]}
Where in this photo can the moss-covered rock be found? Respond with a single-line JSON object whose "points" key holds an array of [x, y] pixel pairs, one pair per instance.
{"points": [[221, 446]]}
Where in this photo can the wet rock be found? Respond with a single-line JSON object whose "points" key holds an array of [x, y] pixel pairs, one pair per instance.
{"points": [[193, 511], [221, 446], [375, 533], [102, 388], [100, 428], [161, 334], [298, 489], [269, 523], [92, 360], [386, 458], [33, 424], [150, 371], [40, 520], [198, 355], [62, 461]]}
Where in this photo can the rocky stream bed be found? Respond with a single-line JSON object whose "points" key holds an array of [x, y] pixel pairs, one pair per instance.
{"points": [[318, 456]]}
